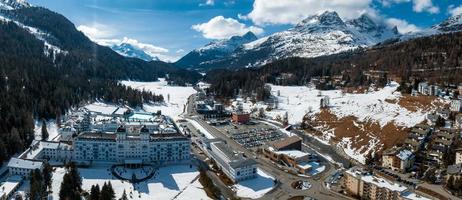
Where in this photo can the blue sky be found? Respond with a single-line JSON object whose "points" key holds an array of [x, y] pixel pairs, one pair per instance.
{"points": [[171, 28]]}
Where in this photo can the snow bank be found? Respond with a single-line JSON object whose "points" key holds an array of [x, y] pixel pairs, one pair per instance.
{"points": [[255, 188], [199, 127], [174, 105], [171, 182]]}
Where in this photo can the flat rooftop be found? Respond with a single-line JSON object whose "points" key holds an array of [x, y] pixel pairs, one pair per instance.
{"points": [[24, 164]]}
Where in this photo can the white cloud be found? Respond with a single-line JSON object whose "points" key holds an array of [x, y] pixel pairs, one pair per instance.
{"points": [[417, 5], [104, 35], [293, 11], [208, 3], [220, 27], [455, 10], [388, 3], [180, 51], [425, 5], [403, 25], [96, 31]]}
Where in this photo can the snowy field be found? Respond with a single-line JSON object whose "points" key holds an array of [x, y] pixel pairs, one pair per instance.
{"points": [[299, 100], [255, 188], [178, 96], [171, 182], [373, 106], [105, 109]]}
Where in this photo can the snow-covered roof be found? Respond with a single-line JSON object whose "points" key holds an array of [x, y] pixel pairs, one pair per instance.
{"points": [[404, 154], [305, 165], [293, 153], [380, 182], [412, 196], [9, 185], [25, 164]]}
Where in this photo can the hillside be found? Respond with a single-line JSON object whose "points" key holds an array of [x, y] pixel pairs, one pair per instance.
{"points": [[433, 58], [48, 67]]}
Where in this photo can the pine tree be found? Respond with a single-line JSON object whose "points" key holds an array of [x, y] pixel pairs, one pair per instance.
{"points": [[47, 175], [15, 143], [3, 151], [124, 196], [450, 182], [94, 192], [71, 185], [37, 187], [45, 134], [107, 192]]}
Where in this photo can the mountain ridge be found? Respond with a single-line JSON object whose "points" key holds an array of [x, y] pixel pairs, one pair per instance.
{"points": [[316, 35]]}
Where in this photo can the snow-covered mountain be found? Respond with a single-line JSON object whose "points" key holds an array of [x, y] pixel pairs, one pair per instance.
{"points": [[215, 50], [129, 50], [320, 35], [50, 49], [13, 4], [317, 35], [453, 24]]}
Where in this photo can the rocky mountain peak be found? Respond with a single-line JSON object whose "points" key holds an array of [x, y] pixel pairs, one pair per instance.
{"points": [[364, 23], [13, 4], [452, 24], [326, 20]]}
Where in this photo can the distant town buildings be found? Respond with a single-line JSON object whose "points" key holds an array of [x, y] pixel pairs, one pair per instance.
{"points": [[456, 105], [362, 184], [397, 159], [426, 89], [325, 102], [417, 137], [440, 142], [458, 156]]}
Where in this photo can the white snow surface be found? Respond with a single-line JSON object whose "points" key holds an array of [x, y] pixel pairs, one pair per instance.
{"points": [[361, 153], [178, 96], [255, 188], [103, 108], [299, 100], [172, 182]]}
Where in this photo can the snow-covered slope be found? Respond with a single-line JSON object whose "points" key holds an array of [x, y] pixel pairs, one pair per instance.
{"points": [[320, 35], [453, 24], [13, 4], [317, 35], [50, 50], [215, 50], [129, 50]]}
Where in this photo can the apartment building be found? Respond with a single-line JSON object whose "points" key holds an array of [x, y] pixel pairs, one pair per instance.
{"points": [[233, 164]]}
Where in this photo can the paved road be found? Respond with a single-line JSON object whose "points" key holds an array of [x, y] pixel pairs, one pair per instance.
{"points": [[283, 189]]}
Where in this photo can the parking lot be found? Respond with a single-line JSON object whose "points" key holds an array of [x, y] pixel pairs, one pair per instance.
{"points": [[251, 135]]}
